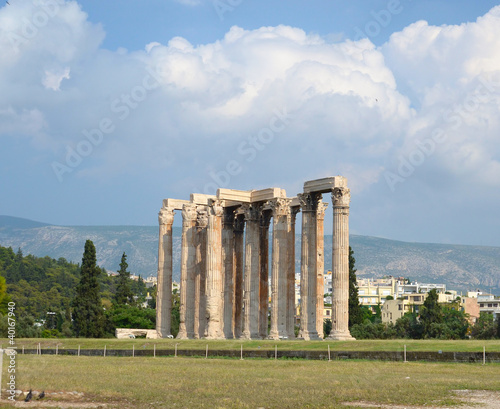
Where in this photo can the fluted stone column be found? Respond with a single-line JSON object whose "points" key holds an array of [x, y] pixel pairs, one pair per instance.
{"points": [[265, 219], [164, 284], [188, 262], [290, 299], [320, 280], [280, 266], [252, 270], [228, 271], [239, 225], [341, 198], [200, 273], [308, 272], [214, 290]]}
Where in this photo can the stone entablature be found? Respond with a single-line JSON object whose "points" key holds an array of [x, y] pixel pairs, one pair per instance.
{"points": [[225, 263]]}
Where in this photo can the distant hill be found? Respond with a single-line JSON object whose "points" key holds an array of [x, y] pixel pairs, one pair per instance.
{"points": [[460, 267]]}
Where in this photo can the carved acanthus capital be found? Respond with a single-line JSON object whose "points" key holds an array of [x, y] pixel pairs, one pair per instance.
{"points": [[309, 201], [280, 207], [201, 217], [166, 216], [189, 214], [341, 197], [320, 211], [251, 212], [216, 208]]}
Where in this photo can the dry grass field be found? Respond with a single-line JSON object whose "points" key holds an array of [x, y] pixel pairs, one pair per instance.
{"points": [[147, 382]]}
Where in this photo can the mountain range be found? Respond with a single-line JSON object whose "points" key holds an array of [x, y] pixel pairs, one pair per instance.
{"points": [[460, 267]]}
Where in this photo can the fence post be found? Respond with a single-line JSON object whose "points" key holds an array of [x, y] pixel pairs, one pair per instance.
{"points": [[78, 350], [241, 352], [484, 355], [154, 351], [405, 354], [176, 350], [133, 351], [276, 352], [329, 357], [104, 351], [206, 353]]}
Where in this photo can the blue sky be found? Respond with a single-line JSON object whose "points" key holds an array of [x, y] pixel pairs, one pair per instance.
{"points": [[108, 107]]}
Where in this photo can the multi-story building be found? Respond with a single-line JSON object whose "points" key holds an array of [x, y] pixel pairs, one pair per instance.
{"points": [[375, 291], [488, 303]]}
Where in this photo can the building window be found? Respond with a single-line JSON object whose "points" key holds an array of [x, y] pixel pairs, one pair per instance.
{"points": [[400, 307]]}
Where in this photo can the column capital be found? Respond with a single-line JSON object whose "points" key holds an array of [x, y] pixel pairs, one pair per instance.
{"points": [[309, 201], [320, 211], [215, 208], [166, 216], [251, 212], [189, 213], [280, 206], [201, 218], [341, 197]]}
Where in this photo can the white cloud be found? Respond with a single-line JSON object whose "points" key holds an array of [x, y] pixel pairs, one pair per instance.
{"points": [[187, 111], [52, 79]]}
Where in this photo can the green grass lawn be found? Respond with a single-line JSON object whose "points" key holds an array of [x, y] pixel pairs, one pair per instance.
{"points": [[361, 345], [149, 382]]}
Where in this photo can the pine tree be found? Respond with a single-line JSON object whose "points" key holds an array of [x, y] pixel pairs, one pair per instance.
{"points": [[355, 311], [88, 314], [124, 294]]}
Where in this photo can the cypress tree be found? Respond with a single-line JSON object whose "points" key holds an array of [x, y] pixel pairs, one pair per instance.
{"points": [[355, 311], [88, 313], [431, 314], [124, 294]]}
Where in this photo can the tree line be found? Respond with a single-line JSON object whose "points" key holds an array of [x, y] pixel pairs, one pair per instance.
{"points": [[433, 320], [57, 298]]}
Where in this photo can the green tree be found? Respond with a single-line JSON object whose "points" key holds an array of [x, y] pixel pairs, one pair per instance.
{"points": [[484, 327], [430, 315], [88, 314], [124, 294], [355, 312]]}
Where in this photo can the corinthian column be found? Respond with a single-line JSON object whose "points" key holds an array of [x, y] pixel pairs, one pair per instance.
{"points": [[280, 265], [200, 273], [341, 197], [239, 226], [265, 219], [290, 299], [252, 269], [188, 262], [214, 290], [308, 271], [228, 271], [320, 280], [164, 291]]}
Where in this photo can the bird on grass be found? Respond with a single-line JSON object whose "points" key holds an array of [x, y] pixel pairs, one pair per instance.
{"points": [[41, 396], [28, 396]]}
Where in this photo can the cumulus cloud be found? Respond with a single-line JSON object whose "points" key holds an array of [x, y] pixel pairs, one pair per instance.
{"points": [[275, 103]]}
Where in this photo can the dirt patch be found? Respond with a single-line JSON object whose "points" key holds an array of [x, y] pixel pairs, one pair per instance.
{"points": [[470, 400]]}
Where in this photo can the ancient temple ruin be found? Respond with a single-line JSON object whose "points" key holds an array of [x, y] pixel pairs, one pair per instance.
{"points": [[224, 288]]}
